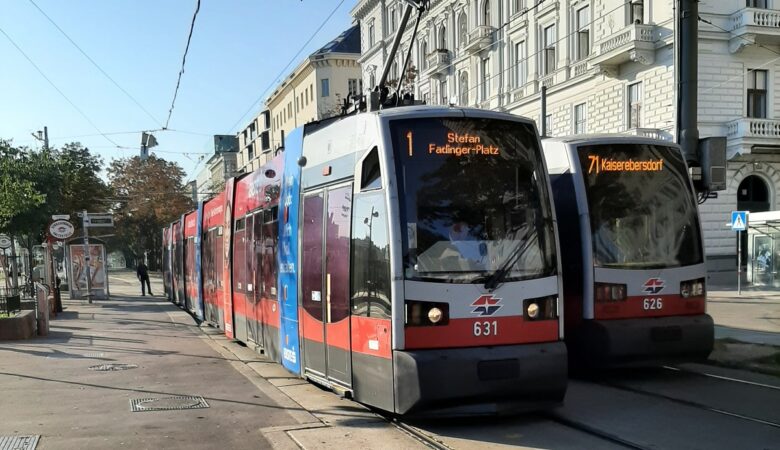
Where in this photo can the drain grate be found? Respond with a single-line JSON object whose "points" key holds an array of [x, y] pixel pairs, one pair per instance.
{"points": [[168, 403], [19, 442], [111, 367]]}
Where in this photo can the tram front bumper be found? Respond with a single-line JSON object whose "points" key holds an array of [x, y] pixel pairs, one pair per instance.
{"points": [[645, 341], [480, 381]]}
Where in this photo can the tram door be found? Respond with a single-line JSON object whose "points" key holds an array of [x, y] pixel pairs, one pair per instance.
{"points": [[253, 239], [325, 284]]}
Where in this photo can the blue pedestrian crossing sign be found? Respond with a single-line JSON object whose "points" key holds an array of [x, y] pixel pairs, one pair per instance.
{"points": [[739, 221]]}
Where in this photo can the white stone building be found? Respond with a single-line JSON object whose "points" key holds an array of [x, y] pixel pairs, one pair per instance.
{"points": [[220, 166], [314, 90], [609, 66]]}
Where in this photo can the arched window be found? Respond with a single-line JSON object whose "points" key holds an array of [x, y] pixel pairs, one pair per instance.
{"points": [[753, 196], [464, 88], [424, 54], [462, 29], [486, 13], [442, 38]]}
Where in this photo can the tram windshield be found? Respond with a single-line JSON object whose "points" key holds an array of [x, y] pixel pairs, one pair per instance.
{"points": [[474, 200], [642, 207]]}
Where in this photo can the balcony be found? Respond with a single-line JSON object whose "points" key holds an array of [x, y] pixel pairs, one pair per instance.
{"points": [[756, 26], [578, 69], [635, 42], [438, 63], [652, 133], [746, 133], [480, 39]]}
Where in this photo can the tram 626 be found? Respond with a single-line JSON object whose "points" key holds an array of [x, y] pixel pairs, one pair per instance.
{"points": [[633, 261], [406, 257]]}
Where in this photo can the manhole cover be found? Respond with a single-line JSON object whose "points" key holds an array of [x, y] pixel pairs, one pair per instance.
{"points": [[168, 403], [19, 442], [110, 367]]}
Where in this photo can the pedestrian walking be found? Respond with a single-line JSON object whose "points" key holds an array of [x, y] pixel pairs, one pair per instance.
{"points": [[143, 276]]}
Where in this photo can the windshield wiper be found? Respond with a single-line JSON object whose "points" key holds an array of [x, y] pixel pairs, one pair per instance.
{"points": [[500, 274]]}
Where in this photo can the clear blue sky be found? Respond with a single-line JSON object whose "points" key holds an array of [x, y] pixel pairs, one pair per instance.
{"points": [[237, 49]]}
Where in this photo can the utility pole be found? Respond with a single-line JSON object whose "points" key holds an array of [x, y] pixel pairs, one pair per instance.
{"points": [[87, 255], [43, 136], [687, 66]]}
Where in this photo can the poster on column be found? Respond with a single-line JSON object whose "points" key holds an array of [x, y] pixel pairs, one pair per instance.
{"points": [[97, 270]]}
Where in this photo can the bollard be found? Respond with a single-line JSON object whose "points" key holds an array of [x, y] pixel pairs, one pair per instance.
{"points": [[43, 312], [52, 306]]}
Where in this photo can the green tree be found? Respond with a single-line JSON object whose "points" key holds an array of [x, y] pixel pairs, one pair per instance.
{"points": [[151, 195], [81, 188]]}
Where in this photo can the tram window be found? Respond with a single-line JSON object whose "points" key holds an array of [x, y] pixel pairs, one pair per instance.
{"points": [[270, 240], [370, 257], [371, 175]]}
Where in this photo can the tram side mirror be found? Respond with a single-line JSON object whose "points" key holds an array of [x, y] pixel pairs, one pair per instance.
{"points": [[712, 156], [302, 161]]}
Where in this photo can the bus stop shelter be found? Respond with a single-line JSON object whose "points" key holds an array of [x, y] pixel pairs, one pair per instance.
{"points": [[763, 249]]}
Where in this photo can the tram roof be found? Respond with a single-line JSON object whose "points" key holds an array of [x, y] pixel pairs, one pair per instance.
{"points": [[611, 138]]}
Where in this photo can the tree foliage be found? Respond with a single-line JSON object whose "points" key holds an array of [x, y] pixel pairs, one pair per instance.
{"points": [[150, 195]]}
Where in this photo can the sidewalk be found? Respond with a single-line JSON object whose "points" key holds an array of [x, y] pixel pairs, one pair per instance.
{"points": [[50, 387]]}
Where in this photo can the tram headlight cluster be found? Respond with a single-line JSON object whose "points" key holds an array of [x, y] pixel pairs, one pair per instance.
{"points": [[420, 314], [609, 292], [692, 288], [542, 308]]}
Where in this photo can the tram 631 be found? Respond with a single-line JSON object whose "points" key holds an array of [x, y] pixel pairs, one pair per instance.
{"points": [[406, 257], [633, 262]]}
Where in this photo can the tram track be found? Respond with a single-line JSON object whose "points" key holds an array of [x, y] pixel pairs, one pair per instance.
{"points": [[721, 377], [417, 434], [688, 403], [593, 431]]}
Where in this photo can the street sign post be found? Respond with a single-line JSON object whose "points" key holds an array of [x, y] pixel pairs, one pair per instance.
{"points": [[739, 223], [99, 220]]}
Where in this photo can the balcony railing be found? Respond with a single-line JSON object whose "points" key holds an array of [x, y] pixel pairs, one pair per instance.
{"points": [[577, 69], [652, 133], [635, 42], [438, 62], [751, 25], [480, 38], [748, 127]]}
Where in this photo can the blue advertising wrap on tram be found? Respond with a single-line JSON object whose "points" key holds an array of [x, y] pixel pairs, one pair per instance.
{"points": [[288, 252], [199, 306]]}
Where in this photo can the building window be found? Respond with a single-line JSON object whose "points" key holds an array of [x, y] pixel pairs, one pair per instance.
{"points": [[637, 11], [250, 151], [443, 38], [518, 5], [371, 36], [757, 4], [354, 88], [325, 87], [583, 33], [372, 79], [424, 55], [548, 54], [756, 93], [634, 105], [391, 15], [485, 78], [463, 29], [580, 119], [443, 92], [464, 88], [519, 65], [548, 123], [486, 13]]}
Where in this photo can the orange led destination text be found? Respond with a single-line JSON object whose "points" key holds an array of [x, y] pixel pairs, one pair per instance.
{"points": [[462, 145], [599, 164]]}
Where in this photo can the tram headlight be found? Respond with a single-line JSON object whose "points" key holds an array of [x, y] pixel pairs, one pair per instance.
{"points": [[609, 292], [421, 314], [532, 310], [542, 308], [435, 315], [692, 288]]}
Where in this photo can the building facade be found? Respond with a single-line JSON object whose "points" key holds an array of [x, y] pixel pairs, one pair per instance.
{"points": [[220, 166], [314, 90], [608, 66]]}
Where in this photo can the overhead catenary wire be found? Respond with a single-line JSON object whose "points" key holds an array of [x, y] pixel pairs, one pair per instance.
{"points": [[41, 72], [183, 62], [289, 63], [97, 66]]}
